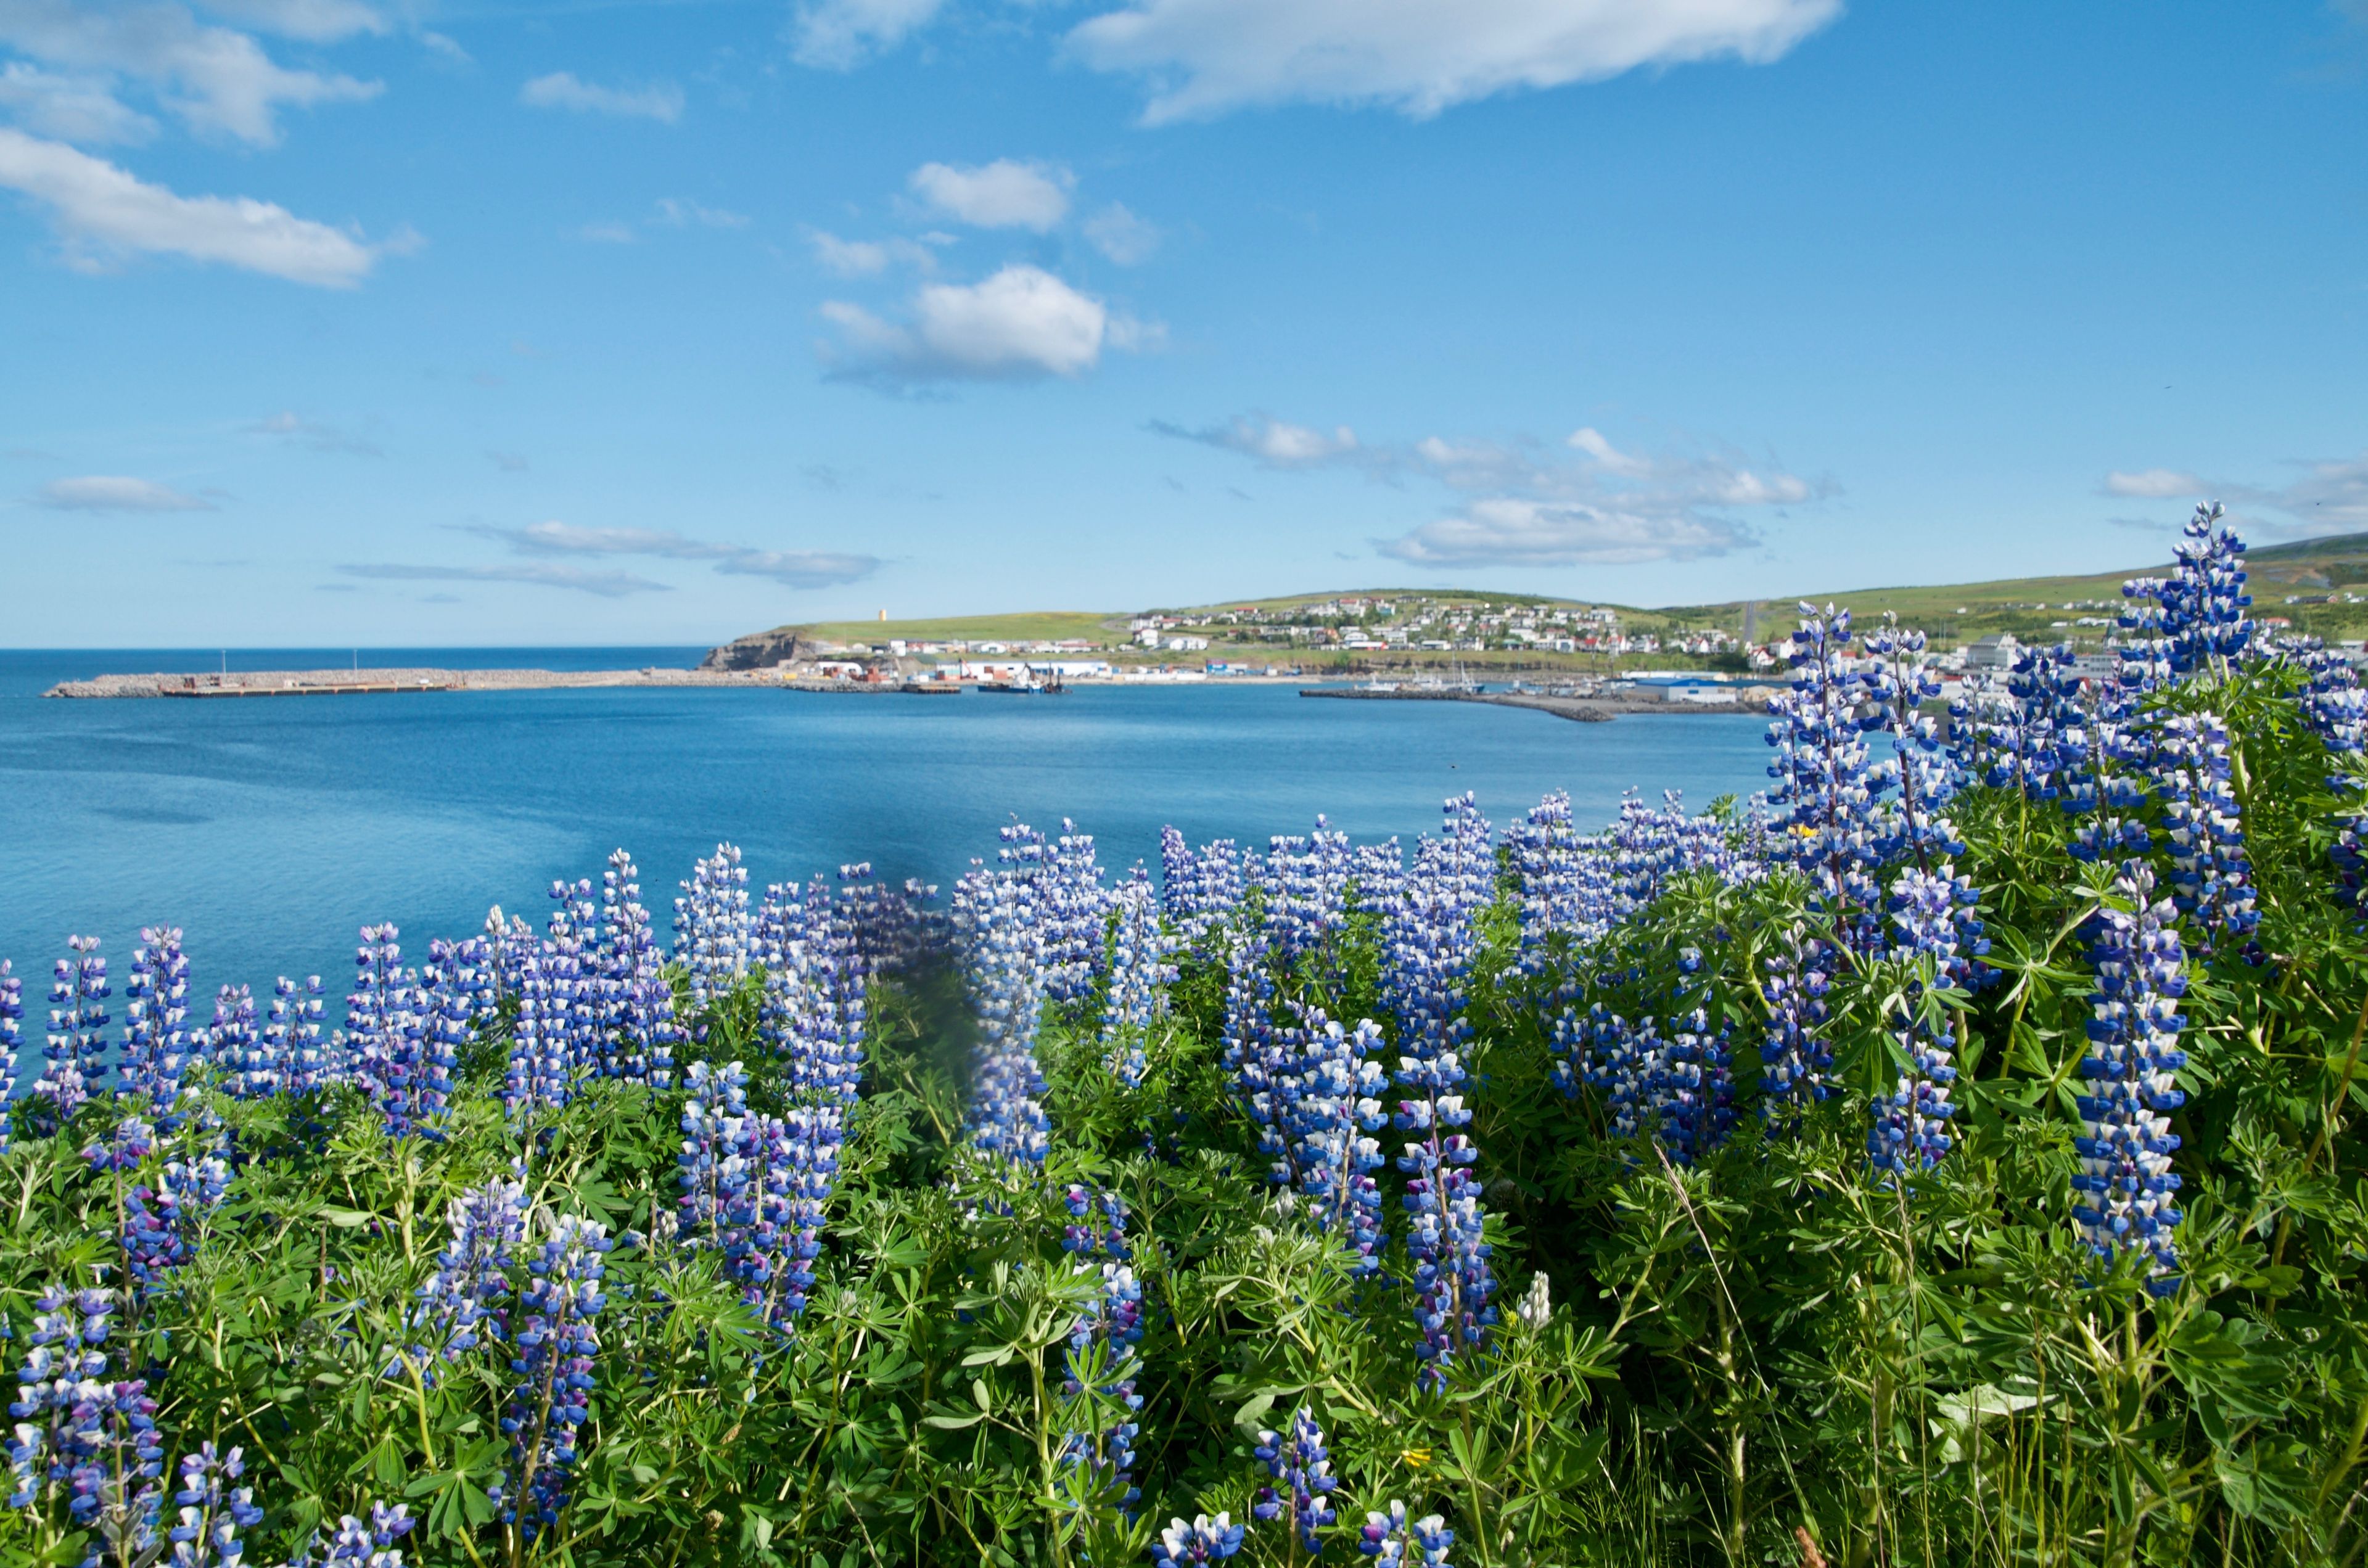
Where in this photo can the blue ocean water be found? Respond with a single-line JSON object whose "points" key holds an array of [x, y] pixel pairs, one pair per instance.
{"points": [[271, 830]]}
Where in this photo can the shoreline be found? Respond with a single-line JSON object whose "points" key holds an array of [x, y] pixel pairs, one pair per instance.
{"points": [[1584, 710], [421, 679]]}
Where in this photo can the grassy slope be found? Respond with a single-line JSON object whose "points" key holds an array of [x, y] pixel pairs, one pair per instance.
{"points": [[2022, 604]]}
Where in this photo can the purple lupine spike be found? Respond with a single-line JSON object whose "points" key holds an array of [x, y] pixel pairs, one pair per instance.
{"points": [[2124, 1194], [1139, 974], [1826, 788], [1095, 1241], [713, 929], [635, 1005], [1910, 1125], [236, 1047], [484, 1228], [156, 1046], [1198, 891], [212, 1512], [1299, 1459], [164, 1221], [292, 1034], [1429, 945], [999, 925], [1394, 1541], [555, 1351], [73, 1055], [81, 1441], [1202, 1540], [2211, 875], [1795, 1057], [12, 1038]]}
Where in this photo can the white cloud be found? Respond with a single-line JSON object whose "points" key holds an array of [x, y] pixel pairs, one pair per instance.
{"points": [[681, 212], [792, 568], [73, 108], [1521, 504], [1005, 194], [2153, 485], [862, 258], [544, 574], [1122, 236], [1205, 57], [101, 211], [215, 79], [838, 34], [114, 492], [449, 50], [563, 89], [1511, 532], [607, 233], [315, 21], [1273, 442], [1020, 324], [314, 436]]}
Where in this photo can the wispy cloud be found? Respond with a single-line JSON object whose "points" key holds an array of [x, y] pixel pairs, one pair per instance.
{"points": [[1203, 58], [546, 575], [2325, 495], [838, 34], [315, 21], [681, 212], [1527, 503], [1122, 236], [793, 568], [862, 258], [1022, 323], [104, 213], [115, 492], [70, 108], [219, 81], [563, 89], [315, 436], [1005, 194], [608, 233]]}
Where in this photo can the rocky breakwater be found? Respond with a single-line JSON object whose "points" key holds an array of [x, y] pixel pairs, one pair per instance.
{"points": [[388, 682]]}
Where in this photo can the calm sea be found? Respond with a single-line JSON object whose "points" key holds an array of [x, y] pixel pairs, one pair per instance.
{"points": [[270, 829]]}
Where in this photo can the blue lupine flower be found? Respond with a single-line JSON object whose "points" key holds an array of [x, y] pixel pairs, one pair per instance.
{"points": [[12, 1038], [1825, 790], [634, 1004], [1139, 975], [1334, 1108], [1796, 1056], [292, 1036], [213, 1513], [1565, 877], [1071, 907], [2204, 601], [162, 1221], [1304, 1465], [712, 930], [1305, 882], [1096, 1240], [130, 1142], [403, 1063], [359, 1544], [756, 1189], [2123, 1198], [1202, 1540], [1198, 891], [156, 1047], [815, 984], [1899, 680], [1396, 1542], [1910, 1124], [74, 1056], [998, 920], [2211, 876], [80, 1437], [484, 1228], [1429, 944], [2332, 700], [554, 1349], [237, 1050]]}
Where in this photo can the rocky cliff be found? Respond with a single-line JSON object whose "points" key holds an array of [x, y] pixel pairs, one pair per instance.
{"points": [[760, 650]]}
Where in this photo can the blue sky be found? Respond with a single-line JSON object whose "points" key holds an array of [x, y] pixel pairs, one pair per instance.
{"points": [[417, 322]]}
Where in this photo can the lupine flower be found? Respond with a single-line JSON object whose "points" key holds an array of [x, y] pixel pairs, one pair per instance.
{"points": [[292, 1036], [357, 1544], [2123, 1197], [1429, 944], [74, 1057], [815, 984], [1095, 1239], [212, 1513], [406, 1065], [1899, 681], [12, 1037], [484, 1228], [2332, 700], [998, 922], [1139, 974], [1536, 1305], [2211, 877], [508, 940], [130, 1142], [1910, 1126], [156, 1047], [1796, 1057], [1071, 906], [2203, 600], [557, 1039], [1564, 879], [756, 1189], [634, 1005], [1332, 1109], [1825, 789], [1305, 881], [1304, 1465], [162, 1221], [1197, 891], [237, 1050], [1396, 1542], [1202, 1540], [556, 1347], [80, 1437], [711, 928]]}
